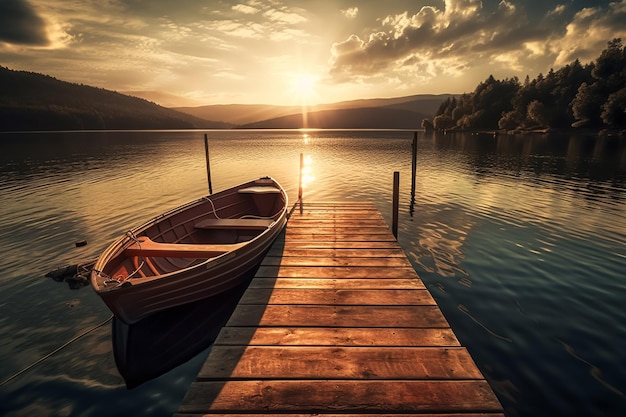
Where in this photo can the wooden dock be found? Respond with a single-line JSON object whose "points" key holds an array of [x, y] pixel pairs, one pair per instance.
{"points": [[337, 322]]}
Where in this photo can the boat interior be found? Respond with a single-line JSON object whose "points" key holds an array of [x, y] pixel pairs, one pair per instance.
{"points": [[203, 229]]}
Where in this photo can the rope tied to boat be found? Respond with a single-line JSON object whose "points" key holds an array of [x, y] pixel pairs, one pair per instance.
{"points": [[134, 237], [212, 206], [119, 280]]}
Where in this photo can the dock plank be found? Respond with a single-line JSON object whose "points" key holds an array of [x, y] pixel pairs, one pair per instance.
{"points": [[332, 362], [333, 336], [268, 271], [337, 316], [336, 322], [334, 283], [323, 396], [338, 297]]}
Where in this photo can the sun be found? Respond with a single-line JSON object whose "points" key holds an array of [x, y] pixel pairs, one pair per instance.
{"points": [[303, 86]]}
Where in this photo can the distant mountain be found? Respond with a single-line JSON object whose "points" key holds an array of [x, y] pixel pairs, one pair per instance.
{"points": [[360, 118], [239, 114], [424, 105], [31, 101]]}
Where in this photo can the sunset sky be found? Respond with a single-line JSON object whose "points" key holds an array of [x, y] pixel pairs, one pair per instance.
{"points": [[194, 52]]}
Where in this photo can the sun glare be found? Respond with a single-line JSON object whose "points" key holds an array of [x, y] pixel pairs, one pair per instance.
{"points": [[303, 86]]}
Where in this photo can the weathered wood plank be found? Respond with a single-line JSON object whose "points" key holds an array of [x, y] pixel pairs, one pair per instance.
{"points": [[333, 283], [363, 213], [338, 297], [345, 396], [341, 253], [358, 236], [337, 316], [325, 336], [327, 221], [299, 244], [334, 362], [269, 271], [338, 230], [334, 262]]}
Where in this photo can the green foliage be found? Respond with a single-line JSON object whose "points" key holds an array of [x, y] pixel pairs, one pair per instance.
{"points": [[592, 95]]}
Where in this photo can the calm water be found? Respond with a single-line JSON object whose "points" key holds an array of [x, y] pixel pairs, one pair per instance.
{"points": [[521, 240]]}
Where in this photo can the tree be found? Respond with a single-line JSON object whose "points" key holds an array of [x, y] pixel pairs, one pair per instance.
{"points": [[600, 101], [614, 110], [587, 106], [539, 113], [441, 122]]}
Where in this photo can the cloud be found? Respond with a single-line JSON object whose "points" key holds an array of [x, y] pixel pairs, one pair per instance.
{"points": [[463, 28], [351, 12], [20, 24], [286, 17], [245, 8], [589, 31], [473, 34]]}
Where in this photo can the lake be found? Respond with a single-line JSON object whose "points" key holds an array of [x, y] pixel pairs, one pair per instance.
{"points": [[520, 239]]}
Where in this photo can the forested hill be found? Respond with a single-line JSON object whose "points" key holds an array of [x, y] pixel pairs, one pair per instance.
{"points": [[30, 101], [590, 96]]}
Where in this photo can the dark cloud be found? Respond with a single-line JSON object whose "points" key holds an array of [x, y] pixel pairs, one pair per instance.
{"points": [[20, 24]]}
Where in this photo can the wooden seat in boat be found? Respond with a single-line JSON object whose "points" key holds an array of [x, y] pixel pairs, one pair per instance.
{"points": [[147, 247], [240, 224], [259, 190]]}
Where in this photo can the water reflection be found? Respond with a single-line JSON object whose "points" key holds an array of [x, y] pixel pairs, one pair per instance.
{"points": [[161, 342], [307, 172]]}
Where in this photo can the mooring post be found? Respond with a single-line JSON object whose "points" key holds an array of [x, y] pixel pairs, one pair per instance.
{"points": [[413, 172], [413, 161], [208, 162], [300, 181], [396, 199]]}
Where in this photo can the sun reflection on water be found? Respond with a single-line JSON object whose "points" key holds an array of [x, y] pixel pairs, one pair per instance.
{"points": [[307, 176]]}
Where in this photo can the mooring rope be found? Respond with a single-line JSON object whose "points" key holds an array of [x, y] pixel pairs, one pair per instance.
{"points": [[43, 358], [136, 239], [212, 206]]}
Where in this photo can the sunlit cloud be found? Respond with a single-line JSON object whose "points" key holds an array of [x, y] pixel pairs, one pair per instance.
{"points": [[461, 28], [589, 32], [246, 9], [284, 17], [559, 9], [350, 13]]}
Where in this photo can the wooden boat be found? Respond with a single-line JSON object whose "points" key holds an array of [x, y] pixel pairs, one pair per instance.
{"points": [[195, 251]]}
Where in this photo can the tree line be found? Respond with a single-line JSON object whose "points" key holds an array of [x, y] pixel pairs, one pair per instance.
{"points": [[579, 96]]}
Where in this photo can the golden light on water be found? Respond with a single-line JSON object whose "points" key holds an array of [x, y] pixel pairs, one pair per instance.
{"points": [[307, 171]]}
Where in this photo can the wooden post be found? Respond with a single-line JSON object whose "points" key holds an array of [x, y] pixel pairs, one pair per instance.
{"points": [[413, 172], [208, 162], [413, 161], [396, 199], [300, 181]]}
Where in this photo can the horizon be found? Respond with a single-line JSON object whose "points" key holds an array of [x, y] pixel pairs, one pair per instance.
{"points": [[290, 53]]}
